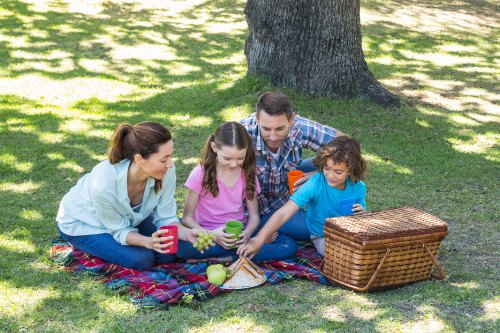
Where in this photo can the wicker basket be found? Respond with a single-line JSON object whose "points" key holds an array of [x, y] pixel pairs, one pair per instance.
{"points": [[382, 249]]}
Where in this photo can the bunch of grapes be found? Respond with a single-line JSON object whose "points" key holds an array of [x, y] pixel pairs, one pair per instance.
{"points": [[204, 240]]}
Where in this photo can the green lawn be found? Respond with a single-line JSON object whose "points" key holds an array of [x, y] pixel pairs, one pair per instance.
{"points": [[70, 71]]}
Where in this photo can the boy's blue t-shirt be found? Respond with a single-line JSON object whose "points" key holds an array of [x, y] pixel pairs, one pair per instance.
{"points": [[322, 200]]}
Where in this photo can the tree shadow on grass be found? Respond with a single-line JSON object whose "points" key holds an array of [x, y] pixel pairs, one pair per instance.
{"points": [[476, 7], [116, 40]]}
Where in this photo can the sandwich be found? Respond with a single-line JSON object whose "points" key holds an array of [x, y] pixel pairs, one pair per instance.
{"points": [[244, 274]]}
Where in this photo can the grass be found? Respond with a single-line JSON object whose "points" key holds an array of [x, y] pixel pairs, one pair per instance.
{"points": [[70, 71]]}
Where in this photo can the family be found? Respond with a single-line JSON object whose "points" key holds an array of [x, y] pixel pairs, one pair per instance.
{"points": [[115, 212]]}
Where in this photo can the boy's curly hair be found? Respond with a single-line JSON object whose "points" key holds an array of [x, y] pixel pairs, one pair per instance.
{"points": [[343, 149]]}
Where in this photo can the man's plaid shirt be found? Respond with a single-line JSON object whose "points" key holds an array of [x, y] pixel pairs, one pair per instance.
{"points": [[272, 174]]}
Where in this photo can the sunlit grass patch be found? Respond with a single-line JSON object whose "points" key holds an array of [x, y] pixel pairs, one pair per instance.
{"points": [[71, 166], [429, 325], [64, 93], [479, 144], [373, 159], [235, 113], [235, 323], [188, 121], [31, 215], [17, 302], [492, 309], [12, 244], [25, 187], [51, 137], [12, 161]]}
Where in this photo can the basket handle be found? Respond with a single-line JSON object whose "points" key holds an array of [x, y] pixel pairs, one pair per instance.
{"points": [[436, 263], [370, 282]]}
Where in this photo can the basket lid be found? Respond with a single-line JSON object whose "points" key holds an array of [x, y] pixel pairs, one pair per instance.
{"points": [[391, 223]]}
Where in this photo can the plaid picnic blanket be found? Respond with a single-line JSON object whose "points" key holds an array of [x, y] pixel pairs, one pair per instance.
{"points": [[178, 282]]}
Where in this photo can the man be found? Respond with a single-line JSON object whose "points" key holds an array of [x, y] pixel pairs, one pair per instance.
{"points": [[279, 137]]}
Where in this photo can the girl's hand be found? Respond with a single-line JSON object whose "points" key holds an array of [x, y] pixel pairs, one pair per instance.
{"points": [[249, 250], [159, 243], [357, 209], [244, 237], [193, 236], [271, 239], [223, 239]]}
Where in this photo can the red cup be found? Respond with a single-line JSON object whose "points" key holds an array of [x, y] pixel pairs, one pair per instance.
{"points": [[174, 232], [293, 176]]}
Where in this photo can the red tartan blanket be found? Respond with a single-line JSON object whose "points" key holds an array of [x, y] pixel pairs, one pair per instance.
{"points": [[171, 283]]}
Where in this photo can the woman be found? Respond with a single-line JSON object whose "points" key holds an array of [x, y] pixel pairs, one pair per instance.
{"points": [[115, 211]]}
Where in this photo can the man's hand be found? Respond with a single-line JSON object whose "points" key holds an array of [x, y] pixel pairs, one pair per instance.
{"points": [[304, 179]]}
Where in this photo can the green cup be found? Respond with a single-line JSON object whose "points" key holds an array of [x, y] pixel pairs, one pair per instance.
{"points": [[234, 227]]}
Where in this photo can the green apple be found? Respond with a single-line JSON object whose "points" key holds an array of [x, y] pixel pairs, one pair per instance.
{"points": [[217, 276], [216, 266]]}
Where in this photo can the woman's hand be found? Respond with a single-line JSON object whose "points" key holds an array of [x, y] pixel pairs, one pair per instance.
{"points": [[357, 209], [225, 240], [160, 243]]}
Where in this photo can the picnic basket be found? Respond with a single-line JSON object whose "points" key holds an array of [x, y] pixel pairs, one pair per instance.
{"points": [[382, 249]]}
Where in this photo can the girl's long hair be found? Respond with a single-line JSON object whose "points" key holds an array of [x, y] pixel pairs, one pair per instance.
{"points": [[229, 134], [143, 138]]}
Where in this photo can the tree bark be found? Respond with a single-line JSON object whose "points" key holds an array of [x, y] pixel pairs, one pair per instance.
{"points": [[312, 46]]}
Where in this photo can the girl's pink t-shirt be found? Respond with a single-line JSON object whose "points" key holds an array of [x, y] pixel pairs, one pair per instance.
{"points": [[212, 213]]}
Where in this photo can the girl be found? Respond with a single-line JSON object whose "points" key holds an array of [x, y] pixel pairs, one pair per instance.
{"points": [[114, 211], [219, 189], [341, 169]]}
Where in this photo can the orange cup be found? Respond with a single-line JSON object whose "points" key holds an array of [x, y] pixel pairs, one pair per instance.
{"points": [[293, 176]]}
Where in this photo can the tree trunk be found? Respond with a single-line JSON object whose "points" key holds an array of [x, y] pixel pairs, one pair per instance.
{"points": [[312, 46]]}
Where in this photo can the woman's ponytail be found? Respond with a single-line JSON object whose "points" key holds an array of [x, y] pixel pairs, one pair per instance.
{"points": [[117, 149]]}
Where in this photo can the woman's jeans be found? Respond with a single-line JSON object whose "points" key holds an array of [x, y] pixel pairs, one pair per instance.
{"points": [[108, 249]]}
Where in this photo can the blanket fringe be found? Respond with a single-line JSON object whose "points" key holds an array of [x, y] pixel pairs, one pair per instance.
{"points": [[148, 302], [63, 258], [119, 286]]}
